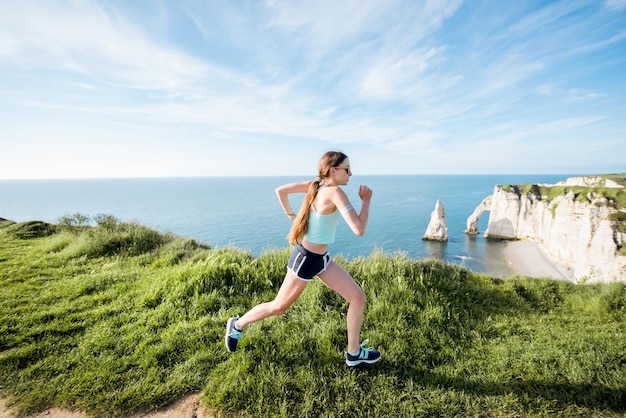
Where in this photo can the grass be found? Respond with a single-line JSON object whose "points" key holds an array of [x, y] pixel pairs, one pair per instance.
{"points": [[619, 178], [116, 318], [615, 197]]}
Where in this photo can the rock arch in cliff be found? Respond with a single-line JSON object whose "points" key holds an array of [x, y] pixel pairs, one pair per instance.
{"points": [[472, 221]]}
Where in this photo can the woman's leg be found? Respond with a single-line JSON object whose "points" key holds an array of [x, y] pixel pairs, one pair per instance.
{"points": [[290, 290], [337, 279]]}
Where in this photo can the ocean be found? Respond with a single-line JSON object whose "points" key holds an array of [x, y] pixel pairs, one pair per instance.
{"points": [[244, 211]]}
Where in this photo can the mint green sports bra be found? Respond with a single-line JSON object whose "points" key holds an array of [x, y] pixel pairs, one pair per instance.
{"points": [[322, 227]]}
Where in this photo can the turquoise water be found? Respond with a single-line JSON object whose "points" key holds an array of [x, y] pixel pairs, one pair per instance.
{"points": [[244, 211]]}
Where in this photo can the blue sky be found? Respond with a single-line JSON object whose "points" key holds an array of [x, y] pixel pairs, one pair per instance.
{"points": [[229, 88]]}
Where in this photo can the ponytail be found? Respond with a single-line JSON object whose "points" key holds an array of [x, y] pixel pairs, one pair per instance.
{"points": [[300, 225]]}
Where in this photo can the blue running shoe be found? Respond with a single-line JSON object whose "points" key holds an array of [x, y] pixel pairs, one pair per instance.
{"points": [[232, 334], [365, 355]]}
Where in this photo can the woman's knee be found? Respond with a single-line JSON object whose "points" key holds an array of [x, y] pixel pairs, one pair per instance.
{"points": [[277, 308], [358, 298]]}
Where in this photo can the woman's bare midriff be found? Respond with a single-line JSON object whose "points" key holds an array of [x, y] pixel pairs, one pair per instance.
{"points": [[315, 248]]}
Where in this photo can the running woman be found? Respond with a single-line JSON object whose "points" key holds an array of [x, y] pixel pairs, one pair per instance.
{"points": [[312, 231]]}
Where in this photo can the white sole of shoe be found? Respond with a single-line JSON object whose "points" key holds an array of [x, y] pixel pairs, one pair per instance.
{"points": [[353, 363], [229, 328]]}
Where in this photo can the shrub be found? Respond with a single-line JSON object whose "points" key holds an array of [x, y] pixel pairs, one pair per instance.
{"points": [[618, 216], [31, 229], [177, 250], [107, 222], [74, 221], [5, 223], [112, 237]]}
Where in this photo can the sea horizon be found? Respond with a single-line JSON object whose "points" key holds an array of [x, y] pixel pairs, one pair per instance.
{"points": [[242, 211], [286, 176]]}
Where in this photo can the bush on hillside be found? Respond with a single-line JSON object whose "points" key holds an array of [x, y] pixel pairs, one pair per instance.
{"points": [[177, 250], [30, 229], [5, 222], [74, 222], [114, 237]]}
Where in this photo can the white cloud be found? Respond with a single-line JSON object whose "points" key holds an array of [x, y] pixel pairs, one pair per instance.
{"points": [[547, 16], [508, 72], [398, 76], [554, 91], [82, 38], [616, 5], [403, 78], [599, 44], [516, 134], [326, 24]]}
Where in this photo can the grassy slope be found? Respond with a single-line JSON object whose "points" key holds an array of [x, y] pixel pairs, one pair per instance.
{"points": [[118, 318], [619, 178], [615, 196]]}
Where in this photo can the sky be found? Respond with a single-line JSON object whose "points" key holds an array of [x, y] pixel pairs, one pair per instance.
{"points": [[159, 88]]}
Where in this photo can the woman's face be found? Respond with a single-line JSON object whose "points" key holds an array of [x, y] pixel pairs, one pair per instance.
{"points": [[342, 172]]}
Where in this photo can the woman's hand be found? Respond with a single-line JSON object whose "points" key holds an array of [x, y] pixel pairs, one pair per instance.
{"points": [[365, 193]]}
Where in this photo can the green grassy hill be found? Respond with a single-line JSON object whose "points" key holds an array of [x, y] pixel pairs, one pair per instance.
{"points": [[619, 178], [615, 197], [117, 318]]}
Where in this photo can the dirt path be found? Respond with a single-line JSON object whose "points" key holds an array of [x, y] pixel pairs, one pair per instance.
{"points": [[186, 407]]}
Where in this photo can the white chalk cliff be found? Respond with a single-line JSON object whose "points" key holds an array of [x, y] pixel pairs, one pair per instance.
{"points": [[577, 233], [437, 229]]}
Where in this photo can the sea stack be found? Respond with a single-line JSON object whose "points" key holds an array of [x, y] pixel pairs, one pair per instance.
{"points": [[438, 226]]}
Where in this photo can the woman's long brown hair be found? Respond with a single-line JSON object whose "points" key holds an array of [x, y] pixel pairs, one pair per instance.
{"points": [[301, 222]]}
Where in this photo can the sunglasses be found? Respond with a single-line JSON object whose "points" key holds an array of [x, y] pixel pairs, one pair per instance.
{"points": [[345, 167]]}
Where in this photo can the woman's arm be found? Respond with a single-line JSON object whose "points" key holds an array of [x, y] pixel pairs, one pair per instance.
{"points": [[356, 221], [283, 192]]}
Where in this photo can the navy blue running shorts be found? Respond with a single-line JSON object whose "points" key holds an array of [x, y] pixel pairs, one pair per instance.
{"points": [[306, 264]]}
